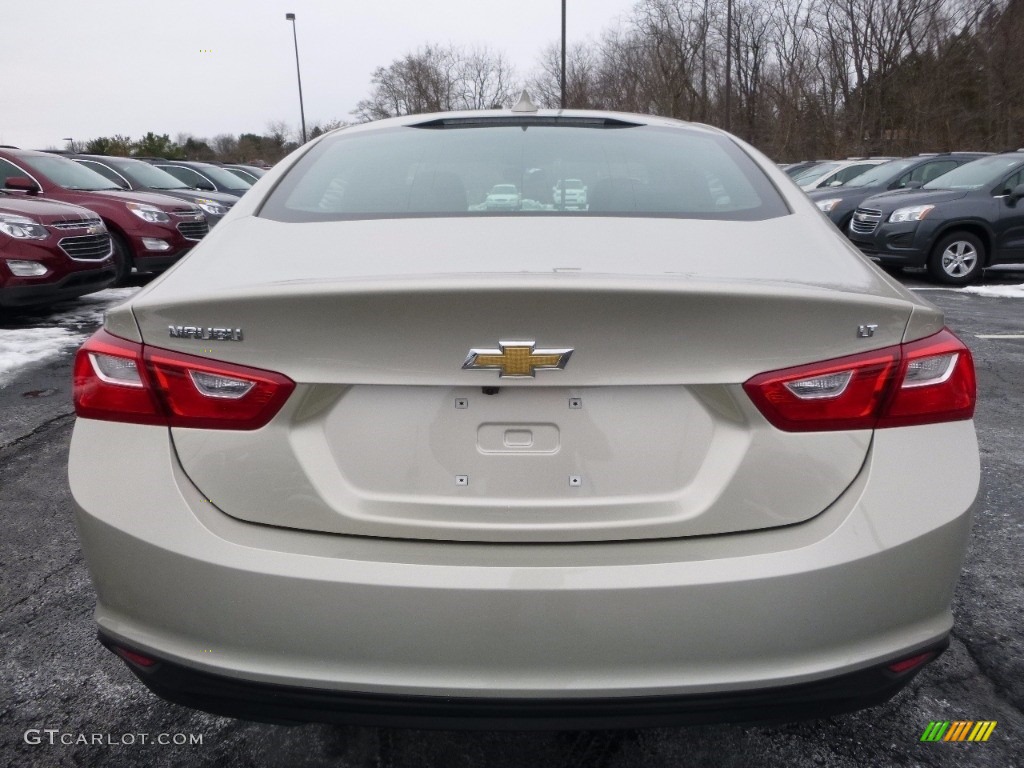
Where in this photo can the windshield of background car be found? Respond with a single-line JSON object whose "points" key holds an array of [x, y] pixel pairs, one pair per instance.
{"points": [[882, 173], [146, 175], [462, 167], [68, 173], [814, 173], [223, 177], [977, 174]]}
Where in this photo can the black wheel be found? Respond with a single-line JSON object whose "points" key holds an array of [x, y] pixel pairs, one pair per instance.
{"points": [[122, 259], [957, 259]]}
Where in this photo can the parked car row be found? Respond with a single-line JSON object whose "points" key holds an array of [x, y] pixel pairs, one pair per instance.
{"points": [[205, 177], [566, 194], [953, 213], [71, 224]]}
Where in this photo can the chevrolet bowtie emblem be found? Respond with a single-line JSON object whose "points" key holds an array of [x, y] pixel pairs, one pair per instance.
{"points": [[517, 359]]}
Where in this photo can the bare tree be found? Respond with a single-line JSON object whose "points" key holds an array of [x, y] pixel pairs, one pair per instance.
{"points": [[225, 145], [437, 79], [484, 80], [752, 46], [582, 86], [318, 128], [677, 37]]}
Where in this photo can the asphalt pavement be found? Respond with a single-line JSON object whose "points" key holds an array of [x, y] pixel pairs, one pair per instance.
{"points": [[64, 701]]}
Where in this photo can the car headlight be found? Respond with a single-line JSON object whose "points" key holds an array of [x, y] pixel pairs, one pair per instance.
{"points": [[212, 207], [148, 213], [913, 213], [22, 227], [826, 206]]}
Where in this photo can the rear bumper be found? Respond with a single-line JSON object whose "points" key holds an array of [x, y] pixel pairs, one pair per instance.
{"points": [[266, 702], [717, 624]]}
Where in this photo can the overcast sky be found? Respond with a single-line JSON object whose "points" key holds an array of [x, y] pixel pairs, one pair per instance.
{"points": [[87, 68]]}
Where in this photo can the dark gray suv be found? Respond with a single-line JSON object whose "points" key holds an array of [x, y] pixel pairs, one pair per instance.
{"points": [[956, 225], [840, 203]]}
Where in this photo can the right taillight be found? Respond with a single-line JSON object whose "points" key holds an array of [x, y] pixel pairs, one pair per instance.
{"points": [[936, 383], [921, 382], [120, 380]]}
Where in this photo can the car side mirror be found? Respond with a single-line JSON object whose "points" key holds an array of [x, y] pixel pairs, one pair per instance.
{"points": [[22, 184], [1015, 194], [205, 186], [914, 184]]}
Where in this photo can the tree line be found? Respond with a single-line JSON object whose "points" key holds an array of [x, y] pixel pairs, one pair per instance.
{"points": [[796, 78], [266, 148]]}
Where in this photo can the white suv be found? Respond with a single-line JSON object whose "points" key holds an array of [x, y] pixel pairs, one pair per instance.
{"points": [[570, 193]]}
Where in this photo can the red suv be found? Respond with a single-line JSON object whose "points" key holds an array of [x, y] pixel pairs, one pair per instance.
{"points": [[50, 251], [149, 231]]}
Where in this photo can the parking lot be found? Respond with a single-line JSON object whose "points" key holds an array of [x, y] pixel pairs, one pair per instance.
{"points": [[68, 702]]}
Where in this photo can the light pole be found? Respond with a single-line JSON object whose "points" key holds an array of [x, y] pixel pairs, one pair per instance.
{"points": [[302, 111], [71, 143], [563, 54]]}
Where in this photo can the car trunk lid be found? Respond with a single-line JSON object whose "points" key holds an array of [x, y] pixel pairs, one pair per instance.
{"points": [[644, 433]]}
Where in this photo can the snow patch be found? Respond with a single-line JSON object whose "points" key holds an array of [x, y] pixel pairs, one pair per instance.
{"points": [[998, 291], [68, 326]]}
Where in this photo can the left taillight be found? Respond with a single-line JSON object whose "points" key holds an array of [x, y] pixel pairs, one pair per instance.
{"points": [[120, 380]]}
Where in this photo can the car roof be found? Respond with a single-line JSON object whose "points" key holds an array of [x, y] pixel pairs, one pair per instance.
{"points": [[928, 157], [14, 151], [187, 163]]}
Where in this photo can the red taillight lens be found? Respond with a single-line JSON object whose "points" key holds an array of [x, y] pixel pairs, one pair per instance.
{"points": [[936, 383], [111, 383], [800, 400], [119, 380], [922, 382], [214, 395]]}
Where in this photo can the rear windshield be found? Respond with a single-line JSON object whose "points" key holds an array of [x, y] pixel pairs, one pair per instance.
{"points": [[505, 168]]}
